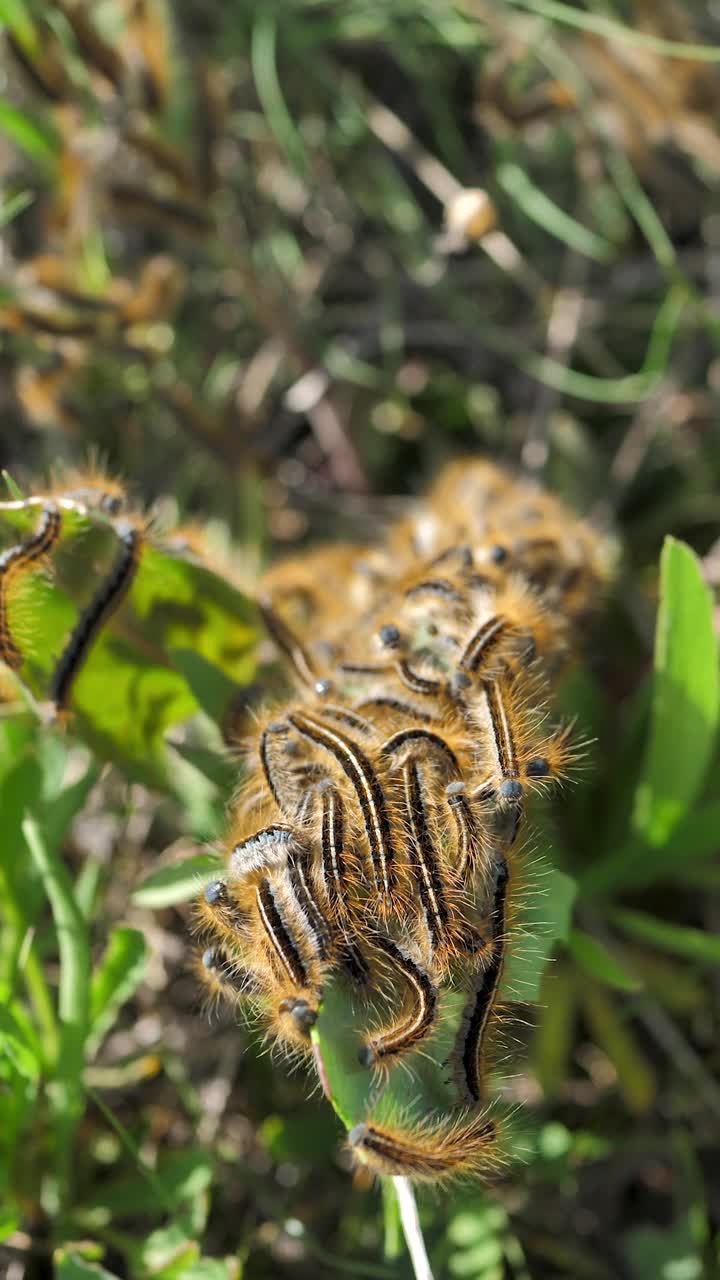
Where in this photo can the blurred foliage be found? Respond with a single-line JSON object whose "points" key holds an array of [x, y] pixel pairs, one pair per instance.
{"points": [[269, 263]]}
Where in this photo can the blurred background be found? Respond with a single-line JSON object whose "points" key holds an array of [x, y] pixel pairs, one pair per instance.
{"points": [[272, 265]]}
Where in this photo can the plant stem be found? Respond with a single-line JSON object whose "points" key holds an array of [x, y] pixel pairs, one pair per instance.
{"points": [[412, 1229]]}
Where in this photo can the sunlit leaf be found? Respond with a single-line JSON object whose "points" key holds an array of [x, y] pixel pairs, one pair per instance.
{"points": [[114, 980], [686, 697]]}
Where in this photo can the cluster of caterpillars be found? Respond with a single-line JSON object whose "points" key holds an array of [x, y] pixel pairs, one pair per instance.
{"points": [[373, 841], [33, 555]]}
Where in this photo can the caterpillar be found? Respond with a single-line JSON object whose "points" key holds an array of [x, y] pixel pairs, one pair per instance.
{"points": [[371, 853], [411, 1028], [393, 790], [433, 1151], [106, 600], [14, 563]]}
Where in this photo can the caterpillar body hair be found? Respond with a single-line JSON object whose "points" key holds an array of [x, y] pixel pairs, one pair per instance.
{"points": [[436, 1151], [282, 944], [265, 850], [333, 863], [371, 799], [222, 915], [431, 888], [423, 743], [368, 860], [470, 1048], [14, 563], [397, 707], [276, 778], [104, 603], [225, 979], [409, 1029], [305, 896], [288, 644], [471, 852]]}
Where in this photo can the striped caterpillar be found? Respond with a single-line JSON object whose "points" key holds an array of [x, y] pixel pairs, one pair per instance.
{"points": [[87, 494], [373, 849]]}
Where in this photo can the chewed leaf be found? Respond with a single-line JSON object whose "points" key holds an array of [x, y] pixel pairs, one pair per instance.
{"points": [[686, 697]]}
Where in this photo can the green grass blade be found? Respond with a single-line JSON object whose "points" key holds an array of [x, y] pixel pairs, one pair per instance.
{"points": [[686, 698], [537, 206], [114, 981], [612, 30], [66, 1089], [632, 386], [35, 137], [267, 83], [595, 959], [177, 883], [682, 940]]}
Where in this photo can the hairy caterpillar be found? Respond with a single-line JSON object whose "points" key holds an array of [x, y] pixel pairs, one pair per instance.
{"points": [[371, 851], [14, 563], [106, 600], [434, 1151], [398, 783]]}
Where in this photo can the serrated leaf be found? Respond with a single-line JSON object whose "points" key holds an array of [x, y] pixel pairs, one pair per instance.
{"points": [[686, 697], [114, 981], [593, 958], [680, 939], [177, 883]]}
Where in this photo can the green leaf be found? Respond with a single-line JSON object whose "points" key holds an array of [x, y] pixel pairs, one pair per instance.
{"points": [[615, 1036], [594, 959], [218, 769], [15, 17], [66, 1091], [554, 1033], [72, 1266], [15, 1045], [669, 1254], [31, 135], [213, 689], [178, 1177], [686, 697], [167, 1253], [694, 840], [114, 981], [177, 883], [12, 205], [543, 919], [127, 693], [680, 939]]}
